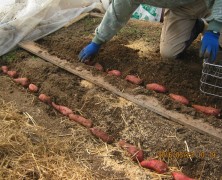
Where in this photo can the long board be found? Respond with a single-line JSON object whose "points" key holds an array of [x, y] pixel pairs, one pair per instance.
{"points": [[147, 102]]}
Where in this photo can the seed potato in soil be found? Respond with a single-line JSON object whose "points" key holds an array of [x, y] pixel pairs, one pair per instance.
{"points": [[135, 51], [156, 136], [115, 116]]}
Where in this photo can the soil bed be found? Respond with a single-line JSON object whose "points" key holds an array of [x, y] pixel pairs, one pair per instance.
{"points": [[136, 51], [116, 116]]}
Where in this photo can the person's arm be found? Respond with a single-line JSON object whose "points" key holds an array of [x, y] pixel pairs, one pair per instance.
{"points": [[210, 41], [117, 15], [215, 19]]}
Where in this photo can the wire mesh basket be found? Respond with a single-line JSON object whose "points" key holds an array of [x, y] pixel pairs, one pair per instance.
{"points": [[211, 79]]}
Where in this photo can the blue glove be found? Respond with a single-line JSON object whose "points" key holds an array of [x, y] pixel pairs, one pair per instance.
{"points": [[210, 46], [89, 51]]}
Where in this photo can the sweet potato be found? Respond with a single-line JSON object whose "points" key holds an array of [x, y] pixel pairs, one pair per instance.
{"points": [[180, 176], [4, 69], [33, 88], [102, 135], [114, 73], [134, 152], [207, 110], [99, 67], [46, 99], [23, 81], [156, 87], [62, 109], [90, 63], [180, 99], [12, 74], [81, 120], [156, 165], [134, 79]]}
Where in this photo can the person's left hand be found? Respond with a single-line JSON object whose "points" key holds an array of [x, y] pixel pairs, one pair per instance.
{"points": [[210, 46], [89, 51]]}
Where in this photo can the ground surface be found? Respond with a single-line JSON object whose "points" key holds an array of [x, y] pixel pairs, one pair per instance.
{"points": [[80, 151], [136, 51]]}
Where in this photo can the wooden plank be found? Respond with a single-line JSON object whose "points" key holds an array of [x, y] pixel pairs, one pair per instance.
{"points": [[96, 15], [147, 102], [82, 16]]}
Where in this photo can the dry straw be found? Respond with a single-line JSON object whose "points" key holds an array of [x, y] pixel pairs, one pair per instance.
{"points": [[27, 151]]}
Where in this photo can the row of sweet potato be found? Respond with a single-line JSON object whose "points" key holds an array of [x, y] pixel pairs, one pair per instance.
{"points": [[132, 151], [162, 89]]}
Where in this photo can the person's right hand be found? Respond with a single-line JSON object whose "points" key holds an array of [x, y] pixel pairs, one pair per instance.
{"points": [[210, 46], [89, 51]]}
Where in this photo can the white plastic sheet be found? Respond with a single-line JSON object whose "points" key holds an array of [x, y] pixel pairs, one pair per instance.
{"points": [[33, 19]]}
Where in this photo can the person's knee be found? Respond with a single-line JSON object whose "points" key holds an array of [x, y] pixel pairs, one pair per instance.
{"points": [[167, 53]]}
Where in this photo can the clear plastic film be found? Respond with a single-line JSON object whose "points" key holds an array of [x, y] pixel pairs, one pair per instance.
{"points": [[32, 19]]}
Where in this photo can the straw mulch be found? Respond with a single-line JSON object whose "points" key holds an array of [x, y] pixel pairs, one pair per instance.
{"points": [[27, 151]]}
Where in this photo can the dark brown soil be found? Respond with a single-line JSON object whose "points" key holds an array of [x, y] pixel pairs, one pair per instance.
{"points": [[117, 116], [114, 115], [136, 51]]}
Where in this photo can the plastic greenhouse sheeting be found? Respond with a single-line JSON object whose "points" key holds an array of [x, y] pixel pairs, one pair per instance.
{"points": [[32, 19]]}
